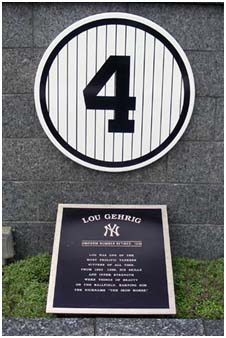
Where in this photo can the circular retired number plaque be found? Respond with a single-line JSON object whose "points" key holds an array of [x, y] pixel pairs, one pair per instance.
{"points": [[114, 92]]}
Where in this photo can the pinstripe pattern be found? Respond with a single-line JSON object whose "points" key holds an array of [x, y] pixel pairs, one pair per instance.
{"points": [[158, 106]]}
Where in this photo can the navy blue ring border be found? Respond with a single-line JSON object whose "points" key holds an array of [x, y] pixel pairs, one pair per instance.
{"points": [[131, 23]]}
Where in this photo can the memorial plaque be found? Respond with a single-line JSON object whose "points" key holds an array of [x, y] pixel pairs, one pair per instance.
{"points": [[111, 259]]}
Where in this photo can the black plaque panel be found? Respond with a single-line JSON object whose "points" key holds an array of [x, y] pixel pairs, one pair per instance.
{"points": [[111, 259]]}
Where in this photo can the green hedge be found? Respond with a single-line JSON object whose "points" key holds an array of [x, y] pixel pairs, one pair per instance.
{"points": [[198, 288]]}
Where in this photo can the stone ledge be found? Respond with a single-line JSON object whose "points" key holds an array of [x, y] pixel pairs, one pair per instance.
{"points": [[214, 327], [148, 327], [103, 326], [48, 327]]}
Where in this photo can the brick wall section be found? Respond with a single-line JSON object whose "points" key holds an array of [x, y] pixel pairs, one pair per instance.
{"points": [[37, 176]]}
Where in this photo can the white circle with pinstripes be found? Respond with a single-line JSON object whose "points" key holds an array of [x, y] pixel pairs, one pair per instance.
{"points": [[160, 81]]}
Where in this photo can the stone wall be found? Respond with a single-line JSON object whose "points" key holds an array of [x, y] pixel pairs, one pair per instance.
{"points": [[36, 176]]}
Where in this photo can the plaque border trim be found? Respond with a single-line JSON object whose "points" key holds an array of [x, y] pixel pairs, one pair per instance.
{"points": [[112, 311]]}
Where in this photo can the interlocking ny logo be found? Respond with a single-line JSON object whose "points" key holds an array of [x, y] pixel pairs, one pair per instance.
{"points": [[113, 230]]}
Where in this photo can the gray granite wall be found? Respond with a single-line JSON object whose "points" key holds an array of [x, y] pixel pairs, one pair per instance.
{"points": [[36, 176]]}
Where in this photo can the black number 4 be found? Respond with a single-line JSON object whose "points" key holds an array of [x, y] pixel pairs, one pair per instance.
{"points": [[121, 103]]}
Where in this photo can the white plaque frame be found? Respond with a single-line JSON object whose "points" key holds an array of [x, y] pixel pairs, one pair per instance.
{"points": [[112, 311]]}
